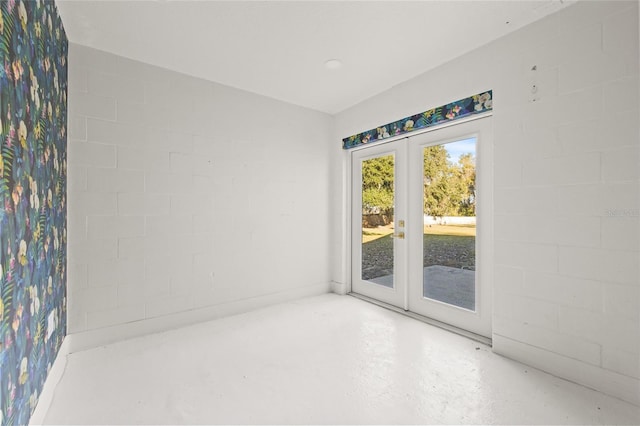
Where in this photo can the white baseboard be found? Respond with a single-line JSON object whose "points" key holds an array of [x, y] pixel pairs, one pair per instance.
{"points": [[102, 336], [338, 288], [605, 381], [53, 378]]}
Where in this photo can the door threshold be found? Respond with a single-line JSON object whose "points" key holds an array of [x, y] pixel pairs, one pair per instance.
{"points": [[427, 320]]}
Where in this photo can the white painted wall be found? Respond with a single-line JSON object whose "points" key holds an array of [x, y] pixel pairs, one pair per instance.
{"points": [[567, 290], [186, 194]]}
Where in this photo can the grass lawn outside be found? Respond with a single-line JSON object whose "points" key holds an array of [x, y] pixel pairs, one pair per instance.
{"points": [[446, 245]]}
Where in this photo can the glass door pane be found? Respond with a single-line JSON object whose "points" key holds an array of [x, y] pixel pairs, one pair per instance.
{"points": [[378, 206], [449, 223]]}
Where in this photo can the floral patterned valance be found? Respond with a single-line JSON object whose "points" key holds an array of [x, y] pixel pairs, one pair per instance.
{"points": [[455, 110]]}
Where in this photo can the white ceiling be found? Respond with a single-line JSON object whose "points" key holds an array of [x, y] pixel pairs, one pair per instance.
{"points": [[278, 48]]}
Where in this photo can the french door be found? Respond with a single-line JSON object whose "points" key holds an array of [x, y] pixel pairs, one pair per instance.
{"points": [[379, 247], [422, 224]]}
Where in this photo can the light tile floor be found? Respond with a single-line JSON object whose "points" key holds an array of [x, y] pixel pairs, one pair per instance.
{"points": [[326, 359]]}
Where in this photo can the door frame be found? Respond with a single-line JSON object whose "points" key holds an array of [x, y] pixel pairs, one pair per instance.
{"points": [[348, 222]]}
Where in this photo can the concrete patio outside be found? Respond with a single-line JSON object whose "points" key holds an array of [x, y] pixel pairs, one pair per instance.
{"points": [[454, 286]]}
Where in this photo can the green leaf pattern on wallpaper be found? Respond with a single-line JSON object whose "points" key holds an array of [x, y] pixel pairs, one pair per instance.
{"points": [[33, 231]]}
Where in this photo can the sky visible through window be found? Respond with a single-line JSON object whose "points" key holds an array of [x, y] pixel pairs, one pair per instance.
{"points": [[458, 148]]}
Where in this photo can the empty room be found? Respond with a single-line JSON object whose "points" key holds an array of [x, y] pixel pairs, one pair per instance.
{"points": [[319, 212]]}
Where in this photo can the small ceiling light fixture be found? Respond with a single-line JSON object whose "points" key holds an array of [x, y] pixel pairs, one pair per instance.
{"points": [[333, 64]]}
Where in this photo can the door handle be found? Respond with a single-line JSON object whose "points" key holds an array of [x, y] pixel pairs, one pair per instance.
{"points": [[399, 235]]}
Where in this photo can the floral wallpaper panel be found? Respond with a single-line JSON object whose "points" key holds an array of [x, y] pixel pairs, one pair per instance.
{"points": [[33, 231], [475, 104]]}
